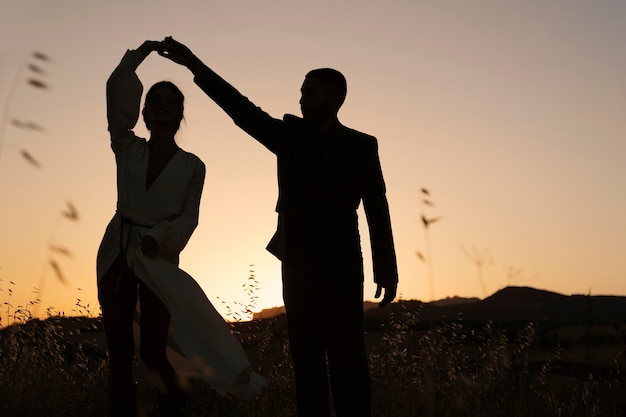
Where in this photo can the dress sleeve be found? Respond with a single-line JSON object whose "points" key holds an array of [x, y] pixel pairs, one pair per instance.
{"points": [[174, 234], [123, 94]]}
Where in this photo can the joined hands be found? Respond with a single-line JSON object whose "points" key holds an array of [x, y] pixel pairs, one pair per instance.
{"points": [[179, 53], [149, 46], [172, 50]]}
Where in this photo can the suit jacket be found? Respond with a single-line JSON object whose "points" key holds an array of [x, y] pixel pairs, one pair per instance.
{"points": [[318, 196]]}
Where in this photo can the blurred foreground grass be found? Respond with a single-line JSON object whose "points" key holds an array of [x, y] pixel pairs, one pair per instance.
{"points": [[57, 367]]}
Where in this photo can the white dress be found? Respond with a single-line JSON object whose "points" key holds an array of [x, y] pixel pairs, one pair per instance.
{"points": [[201, 342]]}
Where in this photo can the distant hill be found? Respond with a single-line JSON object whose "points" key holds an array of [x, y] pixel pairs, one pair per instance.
{"points": [[454, 301], [511, 304], [522, 304], [268, 313]]}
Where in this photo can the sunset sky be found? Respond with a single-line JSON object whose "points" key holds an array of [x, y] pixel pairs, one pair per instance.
{"points": [[512, 114]]}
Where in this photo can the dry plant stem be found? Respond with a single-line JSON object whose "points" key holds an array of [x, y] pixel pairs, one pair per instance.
{"points": [[6, 109]]}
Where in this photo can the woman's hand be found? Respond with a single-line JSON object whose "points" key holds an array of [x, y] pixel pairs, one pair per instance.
{"points": [[149, 46], [149, 246]]}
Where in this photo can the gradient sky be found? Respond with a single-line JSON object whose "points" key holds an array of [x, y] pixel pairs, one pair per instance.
{"points": [[512, 114]]}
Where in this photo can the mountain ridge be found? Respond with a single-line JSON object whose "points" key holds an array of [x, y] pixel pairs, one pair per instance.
{"points": [[513, 303]]}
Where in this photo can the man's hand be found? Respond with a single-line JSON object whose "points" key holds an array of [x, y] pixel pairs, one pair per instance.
{"points": [[178, 53], [149, 246], [388, 297]]}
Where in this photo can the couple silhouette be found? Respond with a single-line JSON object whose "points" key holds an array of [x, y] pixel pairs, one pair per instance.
{"points": [[325, 171]]}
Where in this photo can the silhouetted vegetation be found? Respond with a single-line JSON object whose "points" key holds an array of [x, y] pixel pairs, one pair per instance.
{"points": [[419, 367]]}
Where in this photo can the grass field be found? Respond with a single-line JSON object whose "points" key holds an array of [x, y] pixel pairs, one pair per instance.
{"points": [[57, 367]]}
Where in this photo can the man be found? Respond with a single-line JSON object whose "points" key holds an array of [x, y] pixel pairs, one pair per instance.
{"points": [[325, 170]]}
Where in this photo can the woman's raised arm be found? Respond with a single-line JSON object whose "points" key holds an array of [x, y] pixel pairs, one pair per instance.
{"points": [[123, 95]]}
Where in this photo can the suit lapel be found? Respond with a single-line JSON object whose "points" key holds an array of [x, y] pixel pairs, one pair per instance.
{"points": [[334, 156]]}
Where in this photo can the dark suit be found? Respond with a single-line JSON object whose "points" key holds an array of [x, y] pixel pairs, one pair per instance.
{"points": [[322, 179]]}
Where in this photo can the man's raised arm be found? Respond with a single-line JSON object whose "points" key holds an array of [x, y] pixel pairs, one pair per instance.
{"points": [[252, 119]]}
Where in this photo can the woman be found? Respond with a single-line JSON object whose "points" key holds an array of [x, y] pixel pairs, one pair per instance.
{"points": [[158, 197]]}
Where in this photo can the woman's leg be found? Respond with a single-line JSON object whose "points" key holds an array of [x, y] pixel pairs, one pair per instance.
{"points": [[117, 293], [155, 323]]}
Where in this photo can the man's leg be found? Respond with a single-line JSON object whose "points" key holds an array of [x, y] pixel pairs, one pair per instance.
{"points": [[306, 343], [347, 357]]}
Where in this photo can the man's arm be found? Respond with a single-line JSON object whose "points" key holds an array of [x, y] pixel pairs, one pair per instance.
{"points": [[244, 113], [376, 210]]}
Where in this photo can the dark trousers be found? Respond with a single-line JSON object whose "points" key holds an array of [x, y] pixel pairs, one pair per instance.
{"points": [[118, 292], [326, 335]]}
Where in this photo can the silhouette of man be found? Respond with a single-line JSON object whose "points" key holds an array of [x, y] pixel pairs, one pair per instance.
{"points": [[325, 170]]}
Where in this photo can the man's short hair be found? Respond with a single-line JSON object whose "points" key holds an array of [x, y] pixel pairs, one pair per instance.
{"points": [[332, 79]]}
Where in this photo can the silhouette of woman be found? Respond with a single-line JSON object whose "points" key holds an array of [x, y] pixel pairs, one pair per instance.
{"points": [[159, 187]]}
